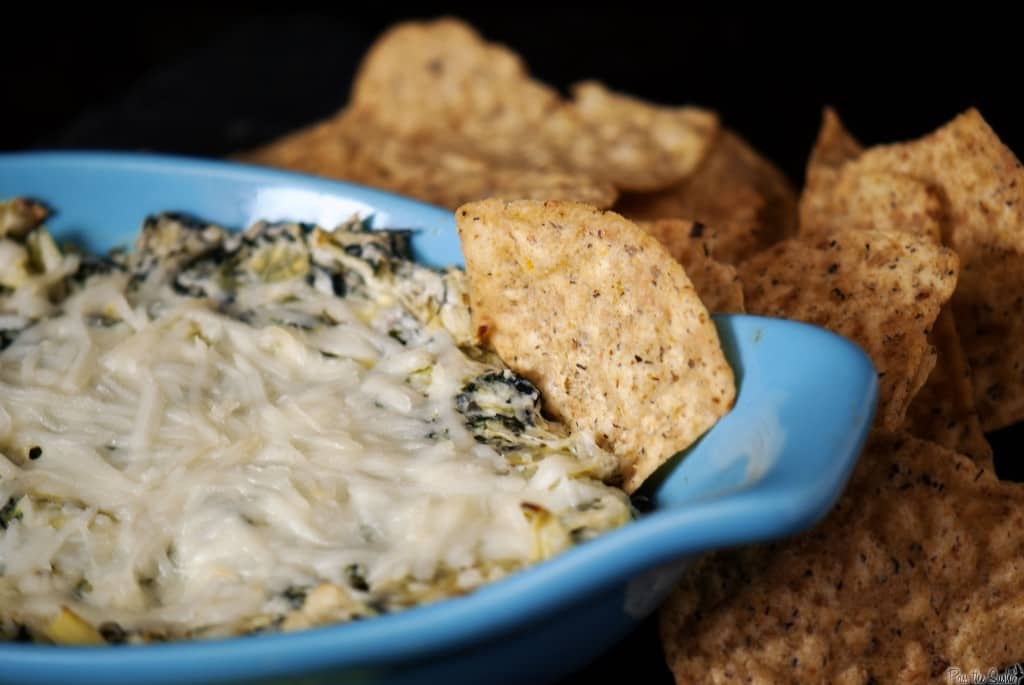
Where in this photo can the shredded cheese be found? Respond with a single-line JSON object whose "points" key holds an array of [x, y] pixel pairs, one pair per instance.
{"points": [[180, 458]]}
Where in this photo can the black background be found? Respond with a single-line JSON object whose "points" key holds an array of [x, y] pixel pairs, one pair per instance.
{"points": [[209, 82]]}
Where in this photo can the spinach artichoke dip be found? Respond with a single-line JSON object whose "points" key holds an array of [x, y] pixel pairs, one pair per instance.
{"points": [[221, 433]]}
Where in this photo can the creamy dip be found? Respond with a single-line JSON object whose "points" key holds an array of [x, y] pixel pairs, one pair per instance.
{"points": [[224, 433]]}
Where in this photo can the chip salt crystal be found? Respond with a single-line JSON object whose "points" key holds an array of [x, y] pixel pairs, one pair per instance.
{"points": [[603, 320]]}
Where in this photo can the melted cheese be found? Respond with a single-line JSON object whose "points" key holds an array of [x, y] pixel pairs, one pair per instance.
{"points": [[200, 474]]}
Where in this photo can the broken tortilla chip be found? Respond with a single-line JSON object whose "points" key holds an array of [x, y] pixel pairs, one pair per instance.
{"points": [[691, 244], [735, 189], [600, 317], [982, 184], [916, 570], [881, 289]]}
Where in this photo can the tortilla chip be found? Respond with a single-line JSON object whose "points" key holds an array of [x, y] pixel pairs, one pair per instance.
{"points": [[627, 142], [982, 183], [944, 410], [353, 148], [842, 194], [439, 114], [990, 313], [735, 189], [691, 244], [441, 79], [916, 570], [600, 317], [865, 200], [834, 148], [881, 289]]}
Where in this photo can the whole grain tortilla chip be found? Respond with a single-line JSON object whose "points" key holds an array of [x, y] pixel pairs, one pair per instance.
{"points": [[944, 410], [601, 318], [439, 114], [881, 289], [916, 570], [734, 188], [982, 185], [353, 148], [833, 149], [835, 145], [628, 142], [691, 244], [872, 200], [990, 313], [441, 79], [842, 194]]}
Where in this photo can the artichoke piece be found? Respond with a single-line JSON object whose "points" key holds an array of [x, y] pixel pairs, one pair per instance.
{"points": [[326, 603], [68, 628], [549, 535]]}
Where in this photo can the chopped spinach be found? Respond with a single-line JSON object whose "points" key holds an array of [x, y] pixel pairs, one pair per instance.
{"points": [[295, 596], [357, 577], [498, 406], [10, 513]]}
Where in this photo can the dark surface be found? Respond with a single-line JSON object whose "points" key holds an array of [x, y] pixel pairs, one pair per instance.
{"points": [[209, 83]]}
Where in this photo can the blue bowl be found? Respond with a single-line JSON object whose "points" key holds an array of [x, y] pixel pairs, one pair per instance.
{"points": [[771, 468]]}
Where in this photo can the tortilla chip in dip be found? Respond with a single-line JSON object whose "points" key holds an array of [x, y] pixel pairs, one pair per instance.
{"points": [[692, 244], [603, 320]]}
